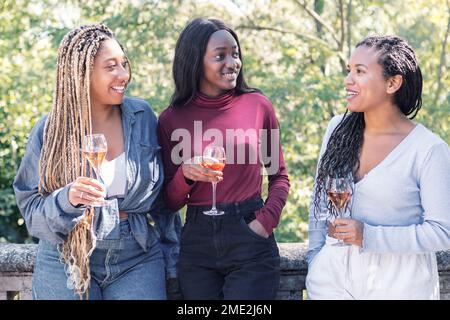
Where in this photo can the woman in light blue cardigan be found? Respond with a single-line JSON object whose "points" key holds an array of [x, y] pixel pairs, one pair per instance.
{"points": [[400, 208]]}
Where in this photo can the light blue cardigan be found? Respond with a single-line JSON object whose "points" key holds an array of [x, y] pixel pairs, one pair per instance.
{"points": [[404, 202]]}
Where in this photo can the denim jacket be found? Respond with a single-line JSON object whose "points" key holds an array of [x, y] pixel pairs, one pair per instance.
{"points": [[52, 217]]}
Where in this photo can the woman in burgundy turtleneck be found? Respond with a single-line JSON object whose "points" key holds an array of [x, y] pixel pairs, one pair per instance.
{"points": [[234, 255]]}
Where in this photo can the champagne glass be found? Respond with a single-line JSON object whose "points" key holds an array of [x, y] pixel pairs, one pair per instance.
{"points": [[339, 193], [214, 159], [94, 150]]}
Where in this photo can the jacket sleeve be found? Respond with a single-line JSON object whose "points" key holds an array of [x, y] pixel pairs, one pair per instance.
{"points": [[168, 226], [49, 217]]}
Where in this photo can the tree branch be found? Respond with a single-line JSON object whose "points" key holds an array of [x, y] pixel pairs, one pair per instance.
{"points": [[340, 54], [319, 19], [298, 34]]}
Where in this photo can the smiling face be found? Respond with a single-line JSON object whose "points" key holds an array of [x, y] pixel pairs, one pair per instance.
{"points": [[221, 64], [110, 74], [366, 86]]}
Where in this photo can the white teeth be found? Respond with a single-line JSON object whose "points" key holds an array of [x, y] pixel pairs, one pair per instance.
{"points": [[119, 89], [230, 76], [351, 94]]}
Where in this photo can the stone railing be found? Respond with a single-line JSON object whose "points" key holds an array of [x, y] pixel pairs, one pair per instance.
{"points": [[17, 261]]}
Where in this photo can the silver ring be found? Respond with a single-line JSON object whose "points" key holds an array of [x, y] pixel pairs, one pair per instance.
{"points": [[81, 195]]}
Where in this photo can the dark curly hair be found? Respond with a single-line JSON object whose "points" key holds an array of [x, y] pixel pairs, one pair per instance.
{"points": [[187, 69], [341, 157]]}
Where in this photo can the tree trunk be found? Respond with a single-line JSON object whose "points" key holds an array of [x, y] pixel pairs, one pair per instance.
{"points": [[442, 60]]}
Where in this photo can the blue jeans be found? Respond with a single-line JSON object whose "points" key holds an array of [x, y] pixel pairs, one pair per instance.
{"points": [[122, 272]]}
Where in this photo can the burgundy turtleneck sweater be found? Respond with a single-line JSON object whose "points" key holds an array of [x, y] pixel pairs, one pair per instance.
{"points": [[242, 174]]}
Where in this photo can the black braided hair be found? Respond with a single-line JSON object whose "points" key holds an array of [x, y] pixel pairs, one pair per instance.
{"points": [[341, 157]]}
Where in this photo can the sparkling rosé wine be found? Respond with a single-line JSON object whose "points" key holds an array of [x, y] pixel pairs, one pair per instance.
{"points": [[213, 163], [214, 166], [95, 158], [338, 198]]}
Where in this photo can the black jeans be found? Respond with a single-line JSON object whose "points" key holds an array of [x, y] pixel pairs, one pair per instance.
{"points": [[222, 258]]}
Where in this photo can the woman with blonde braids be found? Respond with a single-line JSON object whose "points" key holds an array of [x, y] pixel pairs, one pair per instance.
{"points": [[86, 251]]}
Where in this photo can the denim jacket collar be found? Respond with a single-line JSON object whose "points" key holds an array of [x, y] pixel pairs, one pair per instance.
{"points": [[128, 111]]}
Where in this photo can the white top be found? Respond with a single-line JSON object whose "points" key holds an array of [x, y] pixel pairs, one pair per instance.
{"points": [[404, 202], [114, 176]]}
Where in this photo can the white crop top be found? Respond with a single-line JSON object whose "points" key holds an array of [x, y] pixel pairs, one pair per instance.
{"points": [[114, 176]]}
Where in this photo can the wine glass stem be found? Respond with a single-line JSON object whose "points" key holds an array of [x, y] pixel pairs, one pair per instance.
{"points": [[98, 173], [214, 185], [340, 213]]}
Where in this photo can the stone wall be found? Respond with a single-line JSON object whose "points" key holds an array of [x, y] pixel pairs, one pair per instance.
{"points": [[17, 260]]}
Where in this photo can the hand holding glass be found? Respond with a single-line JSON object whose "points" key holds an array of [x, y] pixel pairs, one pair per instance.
{"points": [[214, 159], [338, 191], [94, 150]]}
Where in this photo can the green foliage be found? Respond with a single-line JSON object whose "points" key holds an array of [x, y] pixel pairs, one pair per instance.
{"points": [[297, 60]]}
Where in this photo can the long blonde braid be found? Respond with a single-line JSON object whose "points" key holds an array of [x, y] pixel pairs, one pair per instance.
{"points": [[68, 122]]}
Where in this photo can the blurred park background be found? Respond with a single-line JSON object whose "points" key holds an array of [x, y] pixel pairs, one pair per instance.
{"points": [[294, 50]]}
